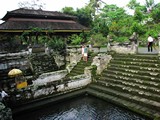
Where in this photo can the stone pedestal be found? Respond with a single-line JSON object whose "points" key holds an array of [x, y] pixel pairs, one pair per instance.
{"points": [[133, 47], [134, 42]]}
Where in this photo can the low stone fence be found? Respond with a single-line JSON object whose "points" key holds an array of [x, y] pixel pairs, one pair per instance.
{"points": [[118, 48], [48, 84], [124, 49], [45, 78], [63, 86]]}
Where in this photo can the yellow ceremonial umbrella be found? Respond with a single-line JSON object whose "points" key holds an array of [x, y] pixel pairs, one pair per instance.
{"points": [[14, 72], [19, 78]]}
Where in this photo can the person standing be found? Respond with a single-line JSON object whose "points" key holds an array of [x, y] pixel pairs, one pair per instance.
{"points": [[4, 95], [150, 43], [30, 49], [85, 53]]}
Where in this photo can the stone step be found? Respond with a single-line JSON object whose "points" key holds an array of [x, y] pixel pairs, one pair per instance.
{"points": [[139, 72], [138, 108], [139, 56], [131, 88], [135, 67], [82, 63], [131, 78], [144, 64], [132, 75], [75, 74], [13, 57], [151, 86], [136, 59], [79, 68], [129, 97]]}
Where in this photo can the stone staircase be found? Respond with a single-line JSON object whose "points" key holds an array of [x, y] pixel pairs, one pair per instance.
{"points": [[79, 68], [131, 81], [43, 63]]}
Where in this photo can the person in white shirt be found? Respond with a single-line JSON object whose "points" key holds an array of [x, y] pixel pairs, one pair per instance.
{"points": [[4, 95], [150, 43]]}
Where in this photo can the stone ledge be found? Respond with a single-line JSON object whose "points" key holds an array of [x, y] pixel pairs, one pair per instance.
{"points": [[37, 103], [126, 104]]}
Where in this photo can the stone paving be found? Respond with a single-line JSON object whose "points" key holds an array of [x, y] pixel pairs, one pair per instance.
{"points": [[144, 50], [141, 50]]}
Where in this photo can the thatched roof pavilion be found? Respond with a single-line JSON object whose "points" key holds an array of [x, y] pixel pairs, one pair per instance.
{"points": [[26, 26], [22, 20]]}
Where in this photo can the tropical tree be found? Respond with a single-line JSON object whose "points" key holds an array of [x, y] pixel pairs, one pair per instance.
{"points": [[84, 17], [82, 14], [133, 4], [98, 40], [155, 13], [116, 20], [68, 10], [150, 4], [112, 13]]}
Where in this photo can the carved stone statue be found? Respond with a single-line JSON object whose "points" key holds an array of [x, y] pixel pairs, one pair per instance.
{"points": [[134, 41], [134, 38]]}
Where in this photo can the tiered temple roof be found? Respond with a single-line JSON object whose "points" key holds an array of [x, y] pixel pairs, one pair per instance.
{"points": [[21, 20]]}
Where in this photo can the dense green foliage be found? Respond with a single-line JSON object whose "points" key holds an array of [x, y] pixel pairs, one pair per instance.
{"points": [[10, 43], [57, 43], [75, 39], [104, 20]]}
